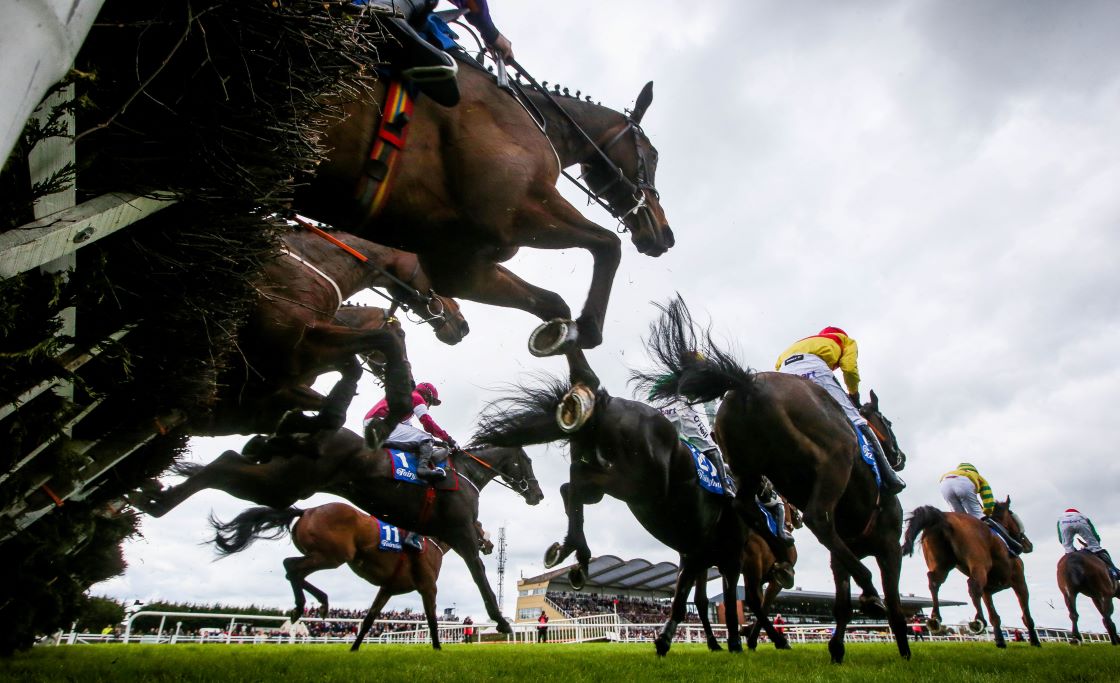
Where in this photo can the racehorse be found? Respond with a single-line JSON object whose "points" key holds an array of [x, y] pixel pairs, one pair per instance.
{"points": [[477, 181], [955, 539], [790, 430], [1083, 572], [332, 534], [631, 452], [346, 467], [298, 331]]}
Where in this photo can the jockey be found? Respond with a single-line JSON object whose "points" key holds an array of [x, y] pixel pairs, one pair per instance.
{"points": [[426, 63], [693, 428], [815, 358], [1072, 524], [967, 492], [406, 437]]}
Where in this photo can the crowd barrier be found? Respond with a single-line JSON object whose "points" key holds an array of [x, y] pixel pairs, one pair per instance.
{"points": [[595, 628]]}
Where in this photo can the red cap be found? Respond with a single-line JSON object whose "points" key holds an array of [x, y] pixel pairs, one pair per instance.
{"points": [[428, 390], [1073, 510], [833, 330]]}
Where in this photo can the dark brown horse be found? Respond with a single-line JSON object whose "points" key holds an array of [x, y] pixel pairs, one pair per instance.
{"points": [[1083, 572], [346, 467], [477, 182], [790, 430], [956, 540], [630, 451], [334, 534], [297, 331]]}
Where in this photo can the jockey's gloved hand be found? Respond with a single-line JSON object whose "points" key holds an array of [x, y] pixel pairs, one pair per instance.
{"points": [[451, 444], [502, 46]]}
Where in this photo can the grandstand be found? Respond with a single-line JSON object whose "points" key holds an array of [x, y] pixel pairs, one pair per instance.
{"points": [[639, 591]]}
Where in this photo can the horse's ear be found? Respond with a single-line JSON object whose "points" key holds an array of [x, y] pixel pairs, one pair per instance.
{"points": [[644, 100], [1007, 501], [874, 400]]}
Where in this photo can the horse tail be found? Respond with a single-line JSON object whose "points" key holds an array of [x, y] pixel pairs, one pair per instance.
{"points": [[921, 519], [259, 522], [527, 417], [688, 364]]}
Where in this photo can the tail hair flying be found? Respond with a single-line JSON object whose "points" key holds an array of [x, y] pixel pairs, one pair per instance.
{"points": [[259, 522], [527, 416]]}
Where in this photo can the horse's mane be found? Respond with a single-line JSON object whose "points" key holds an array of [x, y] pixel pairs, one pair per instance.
{"points": [[685, 361], [526, 416]]}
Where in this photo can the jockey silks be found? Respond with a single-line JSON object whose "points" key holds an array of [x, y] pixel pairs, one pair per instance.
{"points": [[835, 348]]}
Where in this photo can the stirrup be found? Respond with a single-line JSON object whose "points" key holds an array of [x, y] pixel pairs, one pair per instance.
{"points": [[431, 74]]}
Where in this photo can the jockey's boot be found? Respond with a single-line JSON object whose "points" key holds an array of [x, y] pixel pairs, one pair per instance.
{"points": [[424, 467], [777, 508], [413, 541], [1014, 546], [423, 63], [892, 483], [1112, 570], [725, 477]]}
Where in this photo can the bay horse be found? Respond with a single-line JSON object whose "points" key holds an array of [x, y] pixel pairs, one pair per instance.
{"points": [[791, 431], [476, 182], [1083, 572], [630, 451], [330, 535], [346, 467], [298, 330], [957, 540]]}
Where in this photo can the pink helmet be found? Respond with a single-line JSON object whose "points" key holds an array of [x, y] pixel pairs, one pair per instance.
{"points": [[428, 391]]}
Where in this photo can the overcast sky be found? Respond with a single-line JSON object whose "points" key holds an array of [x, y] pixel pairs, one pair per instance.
{"points": [[938, 178]]}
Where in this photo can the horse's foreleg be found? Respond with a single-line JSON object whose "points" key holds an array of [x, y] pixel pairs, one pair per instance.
{"points": [[466, 545], [771, 593], [428, 596], [890, 567], [842, 611], [382, 597], [686, 577], [1019, 585]]}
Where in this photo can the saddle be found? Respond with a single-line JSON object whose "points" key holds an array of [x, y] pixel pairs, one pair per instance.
{"points": [[402, 467]]}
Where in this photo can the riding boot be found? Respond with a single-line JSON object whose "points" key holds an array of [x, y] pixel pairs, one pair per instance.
{"points": [[424, 468], [777, 509], [725, 478], [413, 541], [892, 483], [423, 63], [1014, 546], [1112, 570]]}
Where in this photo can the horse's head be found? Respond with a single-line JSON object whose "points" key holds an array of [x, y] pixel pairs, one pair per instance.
{"points": [[516, 471], [1003, 514], [633, 198], [444, 316], [884, 431]]}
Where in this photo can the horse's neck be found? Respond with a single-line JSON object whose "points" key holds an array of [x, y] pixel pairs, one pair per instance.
{"points": [[349, 272], [596, 120], [479, 474]]}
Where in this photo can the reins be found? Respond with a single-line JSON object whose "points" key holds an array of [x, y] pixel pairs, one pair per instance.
{"points": [[499, 475]]}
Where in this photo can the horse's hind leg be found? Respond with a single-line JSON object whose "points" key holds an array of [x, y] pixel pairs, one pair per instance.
{"points": [[700, 599], [890, 567], [1104, 606], [686, 577], [428, 597], [379, 601], [296, 571], [222, 470], [994, 618], [842, 611], [1071, 606], [1020, 587], [820, 517]]}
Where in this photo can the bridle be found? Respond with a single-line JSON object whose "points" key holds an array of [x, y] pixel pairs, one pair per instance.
{"points": [[520, 486], [895, 451], [637, 190]]}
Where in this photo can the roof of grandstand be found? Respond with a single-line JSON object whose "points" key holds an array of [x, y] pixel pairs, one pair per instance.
{"points": [[609, 571]]}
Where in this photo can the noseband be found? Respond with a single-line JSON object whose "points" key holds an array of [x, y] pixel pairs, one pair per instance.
{"points": [[637, 190]]}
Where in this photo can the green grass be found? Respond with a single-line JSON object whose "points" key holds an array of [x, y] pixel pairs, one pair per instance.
{"points": [[940, 662]]}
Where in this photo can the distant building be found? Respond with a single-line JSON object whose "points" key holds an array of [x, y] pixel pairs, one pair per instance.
{"points": [[643, 590]]}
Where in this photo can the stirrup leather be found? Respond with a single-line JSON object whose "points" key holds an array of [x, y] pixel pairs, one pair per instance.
{"points": [[432, 74]]}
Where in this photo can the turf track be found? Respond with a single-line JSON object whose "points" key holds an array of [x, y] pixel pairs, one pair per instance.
{"points": [[940, 662]]}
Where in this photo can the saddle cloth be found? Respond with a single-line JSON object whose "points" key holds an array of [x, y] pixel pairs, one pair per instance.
{"points": [[404, 464], [389, 537], [771, 523], [868, 456], [707, 474]]}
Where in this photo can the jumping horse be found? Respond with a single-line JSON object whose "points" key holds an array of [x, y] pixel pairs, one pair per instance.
{"points": [[299, 329], [631, 452], [1083, 572], [344, 466], [791, 431], [330, 535], [956, 540], [476, 182]]}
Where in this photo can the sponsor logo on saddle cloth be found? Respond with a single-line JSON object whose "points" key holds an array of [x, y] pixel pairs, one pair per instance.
{"points": [[771, 523], [389, 537], [404, 469], [707, 474], [868, 456]]}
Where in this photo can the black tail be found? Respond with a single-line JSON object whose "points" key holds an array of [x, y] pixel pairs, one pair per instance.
{"points": [[259, 522], [920, 519], [687, 365], [526, 418]]}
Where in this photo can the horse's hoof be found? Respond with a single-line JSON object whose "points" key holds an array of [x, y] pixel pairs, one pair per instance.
{"points": [[933, 625], [577, 577], [783, 574], [782, 644], [735, 647], [713, 645], [437, 646], [503, 627], [975, 627], [1001, 644], [554, 555], [574, 410], [872, 606], [662, 646], [324, 612], [553, 337]]}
